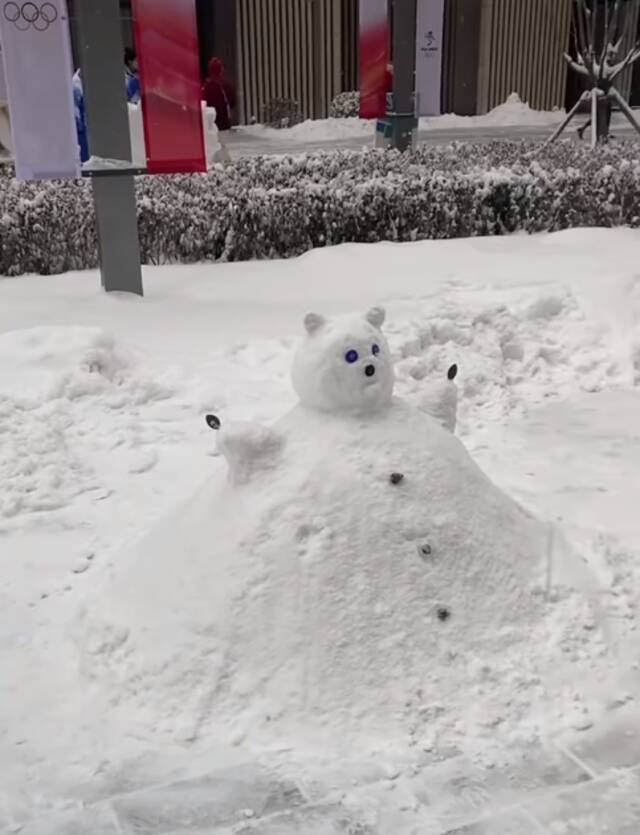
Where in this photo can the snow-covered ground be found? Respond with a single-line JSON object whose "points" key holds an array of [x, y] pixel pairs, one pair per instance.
{"points": [[511, 113], [102, 433], [512, 120]]}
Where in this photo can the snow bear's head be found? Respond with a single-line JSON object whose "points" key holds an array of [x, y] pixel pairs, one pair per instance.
{"points": [[344, 363]]}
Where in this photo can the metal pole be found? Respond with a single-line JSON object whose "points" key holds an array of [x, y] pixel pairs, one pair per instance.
{"points": [[102, 69], [403, 116]]}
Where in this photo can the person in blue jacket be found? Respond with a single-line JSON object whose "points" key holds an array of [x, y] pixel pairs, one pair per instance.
{"points": [[81, 119], [132, 86], [131, 76]]}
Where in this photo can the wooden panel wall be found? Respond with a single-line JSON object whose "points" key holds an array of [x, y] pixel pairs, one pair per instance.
{"points": [[350, 35], [292, 49], [623, 82], [460, 56], [522, 45]]}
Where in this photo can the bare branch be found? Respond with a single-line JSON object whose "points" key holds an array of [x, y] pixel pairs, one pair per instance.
{"points": [[613, 23], [588, 26], [568, 118], [594, 117], [626, 23], [594, 32], [574, 28], [577, 67], [581, 25], [631, 58], [605, 38]]}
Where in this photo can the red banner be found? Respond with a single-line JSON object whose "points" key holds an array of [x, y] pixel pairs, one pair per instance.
{"points": [[375, 78], [168, 55]]}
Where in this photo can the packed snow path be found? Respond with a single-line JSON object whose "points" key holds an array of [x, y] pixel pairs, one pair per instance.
{"points": [[251, 142]]}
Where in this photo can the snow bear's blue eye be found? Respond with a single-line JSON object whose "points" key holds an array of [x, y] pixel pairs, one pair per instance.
{"points": [[351, 356], [375, 350]]}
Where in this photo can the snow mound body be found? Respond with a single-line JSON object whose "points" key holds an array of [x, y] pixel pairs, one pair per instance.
{"points": [[319, 587], [333, 581]]}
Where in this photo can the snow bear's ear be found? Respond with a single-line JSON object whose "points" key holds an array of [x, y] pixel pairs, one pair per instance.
{"points": [[376, 317], [313, 322]]}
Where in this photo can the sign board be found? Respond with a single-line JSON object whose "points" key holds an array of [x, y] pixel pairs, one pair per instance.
{"points": [[166, 35], [374, 58], [3, 86], [36, 53], [429, 37]]}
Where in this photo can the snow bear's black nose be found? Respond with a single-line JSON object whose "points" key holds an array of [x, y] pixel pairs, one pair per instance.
{"points": [[370, 370]]}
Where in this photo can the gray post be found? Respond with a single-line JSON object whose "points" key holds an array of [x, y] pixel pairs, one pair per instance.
{"points": [[404, 68], [102, 69]]}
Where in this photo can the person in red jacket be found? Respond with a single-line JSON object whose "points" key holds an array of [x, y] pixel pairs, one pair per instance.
{"points": [[220, 93]]}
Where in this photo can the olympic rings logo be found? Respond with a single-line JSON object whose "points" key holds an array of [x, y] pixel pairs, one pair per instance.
{"points": [[25, 16]]}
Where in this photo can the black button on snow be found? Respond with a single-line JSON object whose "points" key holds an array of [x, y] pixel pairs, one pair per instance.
{"points": [[443, 613], [425, 550], [213, 422], [396, 478], [370, 370]]}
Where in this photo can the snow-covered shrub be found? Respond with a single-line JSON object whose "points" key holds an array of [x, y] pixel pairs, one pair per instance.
{"points": [[268, 207], [345, 105], [281, 113]]}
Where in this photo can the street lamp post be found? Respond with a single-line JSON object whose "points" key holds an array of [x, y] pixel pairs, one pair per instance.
{"points": [[102, 66], [403, 114]]}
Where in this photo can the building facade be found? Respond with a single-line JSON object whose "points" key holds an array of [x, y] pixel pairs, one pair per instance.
{"points": [[307, 50]]}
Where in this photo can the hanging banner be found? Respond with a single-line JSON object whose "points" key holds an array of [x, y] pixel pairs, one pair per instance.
{"points": [[36, 51], [375, 79], [429, 37], [168, 56], [3, 86]]}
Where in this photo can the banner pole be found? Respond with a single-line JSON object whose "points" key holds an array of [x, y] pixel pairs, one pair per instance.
{"points": [[403, 116], [103, 82]]}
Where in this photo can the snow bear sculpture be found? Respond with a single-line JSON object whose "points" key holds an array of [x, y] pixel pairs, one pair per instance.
{"points": [[344, 364], [355, 564]]}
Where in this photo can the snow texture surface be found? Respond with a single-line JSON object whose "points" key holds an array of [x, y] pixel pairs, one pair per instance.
{"points": [[105, 456]]}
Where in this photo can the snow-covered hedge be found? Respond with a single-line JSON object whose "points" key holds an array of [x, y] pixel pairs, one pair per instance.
{"points": [[282, 206], [345, 105]]}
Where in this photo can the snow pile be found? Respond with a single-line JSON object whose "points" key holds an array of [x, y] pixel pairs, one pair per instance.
{"points": [[511, 113], [357, 572], [106, 164], [331, 129], [512, 356], [56, 386]]}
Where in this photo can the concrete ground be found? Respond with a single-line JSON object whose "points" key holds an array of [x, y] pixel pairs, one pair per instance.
{"points": [[586, 784]]}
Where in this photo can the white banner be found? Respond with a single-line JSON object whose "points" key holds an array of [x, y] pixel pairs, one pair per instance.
{"points": [[36, 51], [429, 37], [3, 86]]}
